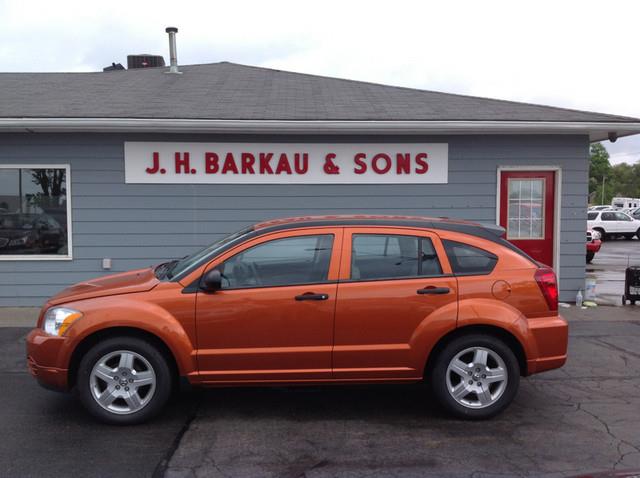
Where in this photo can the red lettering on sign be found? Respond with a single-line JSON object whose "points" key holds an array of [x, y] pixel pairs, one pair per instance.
{"points": [[265, 167], [361, 166], [376, 166], [210, 163], [283, 165], [422, 163], [229, 164], [156, 164], [403, 163], [182, 163], [247, 160], [301, 165]]}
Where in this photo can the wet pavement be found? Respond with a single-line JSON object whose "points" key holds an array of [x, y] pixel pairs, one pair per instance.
{"points": [[608, 267], [581, 418]]}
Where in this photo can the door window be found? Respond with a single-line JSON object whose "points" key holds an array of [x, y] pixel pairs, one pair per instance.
{"points": [[469, 260], [525, 211], [382, 256], [608, 216], [289, 261], [620, 216]]}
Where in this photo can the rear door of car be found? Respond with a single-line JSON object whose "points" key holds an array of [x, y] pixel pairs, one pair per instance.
{"points": [[390, 305]]}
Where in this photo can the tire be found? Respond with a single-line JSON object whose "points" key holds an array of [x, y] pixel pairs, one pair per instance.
{"points": [[112, 368], [445, 381], [590, 256]]}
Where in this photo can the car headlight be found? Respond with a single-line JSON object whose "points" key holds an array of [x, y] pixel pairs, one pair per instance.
{"points": [[58, 319], [20, 241]]}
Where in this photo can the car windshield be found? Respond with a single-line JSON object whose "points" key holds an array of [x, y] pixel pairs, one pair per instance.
{"points": [[174, 268]]}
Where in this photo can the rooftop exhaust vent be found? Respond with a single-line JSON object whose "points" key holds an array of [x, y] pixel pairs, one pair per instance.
{"points": [[173, 54]]}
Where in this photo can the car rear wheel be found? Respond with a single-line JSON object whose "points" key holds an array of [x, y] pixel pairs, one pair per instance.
{"points": [[603, 235], [475, 376], [124, 380]]}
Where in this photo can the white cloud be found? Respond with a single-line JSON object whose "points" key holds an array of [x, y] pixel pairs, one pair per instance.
{"points": [[572, 53]]}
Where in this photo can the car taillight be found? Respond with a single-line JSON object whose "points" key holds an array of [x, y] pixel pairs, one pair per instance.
{"points": [[546, 279]]}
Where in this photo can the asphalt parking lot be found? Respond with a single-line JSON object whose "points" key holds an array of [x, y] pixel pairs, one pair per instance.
{"points": [[581, 418], [608, 267]]}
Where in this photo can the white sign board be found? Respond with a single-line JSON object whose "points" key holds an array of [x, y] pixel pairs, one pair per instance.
{"points": [[286, 163]]}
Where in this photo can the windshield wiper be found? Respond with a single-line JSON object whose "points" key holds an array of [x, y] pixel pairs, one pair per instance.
{"points": [[163, 270]]}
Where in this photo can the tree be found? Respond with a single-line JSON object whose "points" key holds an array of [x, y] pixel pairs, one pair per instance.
{"points": [[599, 168]]}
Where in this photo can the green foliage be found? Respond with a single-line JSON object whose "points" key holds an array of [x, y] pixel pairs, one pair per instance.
{"points": [[621, 180]]}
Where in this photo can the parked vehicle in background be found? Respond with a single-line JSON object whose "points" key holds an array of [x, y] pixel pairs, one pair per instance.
{"points": [[612, 224], [336, 299], [625, 203], [635, 213], [601, 207], [29, 234], [593, 244]]}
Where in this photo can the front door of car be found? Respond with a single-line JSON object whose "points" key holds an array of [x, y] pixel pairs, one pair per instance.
{"points": [[273, 317], [626, 225], [396, 294]]}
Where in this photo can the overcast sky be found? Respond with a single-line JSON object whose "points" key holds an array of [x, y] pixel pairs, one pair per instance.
{"points": [[578, 54]]}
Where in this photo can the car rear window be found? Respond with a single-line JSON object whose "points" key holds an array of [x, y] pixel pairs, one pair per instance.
{"points": [[592, 216], [469, 260]]}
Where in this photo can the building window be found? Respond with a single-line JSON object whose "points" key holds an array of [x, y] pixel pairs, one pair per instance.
{"points": [[526, 209], [35, 215]]}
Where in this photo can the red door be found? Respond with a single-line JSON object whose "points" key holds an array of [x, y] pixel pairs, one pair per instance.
{"points": [[527, 208]]}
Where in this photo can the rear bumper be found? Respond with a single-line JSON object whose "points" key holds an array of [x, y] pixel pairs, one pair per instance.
{"points": [[43, 352], [551, 337]]}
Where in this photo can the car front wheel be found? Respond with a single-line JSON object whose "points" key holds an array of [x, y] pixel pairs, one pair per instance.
{"points": [[475, 376], [124, 380]]}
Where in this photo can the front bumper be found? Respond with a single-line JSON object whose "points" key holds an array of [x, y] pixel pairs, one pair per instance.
{"points": [[44, 359], [551, 338]]}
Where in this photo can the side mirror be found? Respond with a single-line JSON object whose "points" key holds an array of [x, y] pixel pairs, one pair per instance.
{"points": [[211, 281]]}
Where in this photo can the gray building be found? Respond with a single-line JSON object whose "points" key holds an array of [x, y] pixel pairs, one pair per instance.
{"points": [[110, 171]]}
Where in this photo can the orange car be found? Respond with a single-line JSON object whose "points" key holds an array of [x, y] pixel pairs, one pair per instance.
{"points": [[335, 299]]}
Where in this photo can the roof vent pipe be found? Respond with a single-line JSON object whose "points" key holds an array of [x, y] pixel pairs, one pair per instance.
{"points": [[173, 55]]}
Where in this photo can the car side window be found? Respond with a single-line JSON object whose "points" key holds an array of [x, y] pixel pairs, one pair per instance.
{"points": [[608, 216], [288, 261], [469, 260], [386, 256], [622, 217], [592, 216]]}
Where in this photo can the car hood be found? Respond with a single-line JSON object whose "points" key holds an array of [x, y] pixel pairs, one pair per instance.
{"points": [[139, 280]]}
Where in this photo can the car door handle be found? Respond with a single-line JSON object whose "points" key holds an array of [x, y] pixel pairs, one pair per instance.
{"points": [[434, 290], [312, 296]]}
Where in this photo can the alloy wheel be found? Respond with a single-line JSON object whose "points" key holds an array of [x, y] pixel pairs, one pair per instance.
{"points": [[476, 377], [122, 382]]}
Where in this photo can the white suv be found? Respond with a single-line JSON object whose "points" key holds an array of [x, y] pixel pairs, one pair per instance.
{"points": [[613, 223]]}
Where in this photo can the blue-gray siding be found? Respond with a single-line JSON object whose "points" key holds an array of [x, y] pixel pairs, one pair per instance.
{"points": [[138, 225]]}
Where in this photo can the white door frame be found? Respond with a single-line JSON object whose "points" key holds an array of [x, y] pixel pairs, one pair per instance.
{"points": [[557, 205]]}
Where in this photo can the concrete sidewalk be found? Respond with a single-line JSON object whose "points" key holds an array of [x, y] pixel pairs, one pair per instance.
{"points": [[27, 316]]}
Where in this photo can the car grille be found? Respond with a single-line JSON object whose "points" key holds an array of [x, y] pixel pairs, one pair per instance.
{"points": [[3, 241]]}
